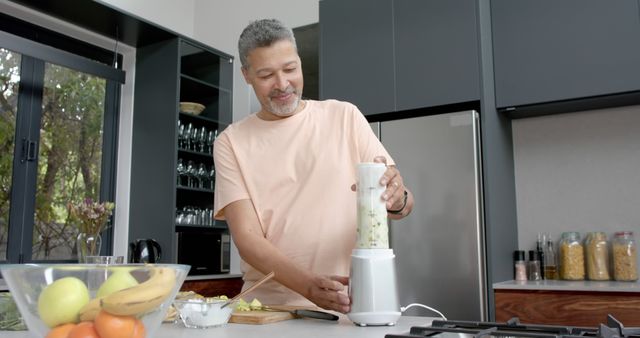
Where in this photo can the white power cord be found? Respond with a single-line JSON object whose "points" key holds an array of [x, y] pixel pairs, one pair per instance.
{"points": [[405, 308]]}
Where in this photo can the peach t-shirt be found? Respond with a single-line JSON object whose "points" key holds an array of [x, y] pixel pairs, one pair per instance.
{"points": [[298, 174]]}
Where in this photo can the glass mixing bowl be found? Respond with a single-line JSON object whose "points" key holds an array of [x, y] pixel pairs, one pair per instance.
{"points": [[50, 296]]}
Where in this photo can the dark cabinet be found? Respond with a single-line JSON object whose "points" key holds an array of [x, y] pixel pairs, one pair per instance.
{"points": [[167, 73], [396, 55], [356, 53], [436, 52], [548, 50], [205, 78]]}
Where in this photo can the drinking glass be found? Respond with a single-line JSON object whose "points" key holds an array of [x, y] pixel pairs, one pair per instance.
{"points": [[179, 217], [193, 139], [202, 139], [212, 178], [181, 172], [210, 139], [191, 175], [187, 136], [203, 176], [181, 136], [187, 213]]}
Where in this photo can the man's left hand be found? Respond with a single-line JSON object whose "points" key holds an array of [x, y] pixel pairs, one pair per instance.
{"points": [[394, 194]]}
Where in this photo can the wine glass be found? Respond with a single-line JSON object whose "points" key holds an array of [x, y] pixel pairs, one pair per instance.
{"points": [[212, 178], [202, 139], [190, 172], [187, 136], [203, 176], [180, 135], [210, 139], [193, 139], [181, 172]]}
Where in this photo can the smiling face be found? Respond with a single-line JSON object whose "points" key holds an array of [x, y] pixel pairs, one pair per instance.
{"points": [[275, 73]]}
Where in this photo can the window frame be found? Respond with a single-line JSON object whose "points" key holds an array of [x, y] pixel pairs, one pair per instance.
{"points": [[22, 209]]}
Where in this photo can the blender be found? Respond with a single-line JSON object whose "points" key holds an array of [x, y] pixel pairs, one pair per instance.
{"points": [[372, 282]]}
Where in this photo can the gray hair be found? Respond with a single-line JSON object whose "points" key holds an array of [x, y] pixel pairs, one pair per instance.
{"points": [[262, 33]]}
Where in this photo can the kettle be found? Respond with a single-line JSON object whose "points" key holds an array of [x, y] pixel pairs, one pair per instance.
{"points": [[144, 251]]}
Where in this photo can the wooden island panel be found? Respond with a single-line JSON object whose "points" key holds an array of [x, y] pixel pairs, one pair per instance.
{"points": [[576, 308], [214, 287]]}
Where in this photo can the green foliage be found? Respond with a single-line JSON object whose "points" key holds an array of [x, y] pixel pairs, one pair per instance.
{"points": [[70, 151], [10, 319]]}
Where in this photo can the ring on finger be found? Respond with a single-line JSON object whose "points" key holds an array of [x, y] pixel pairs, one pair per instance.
{"points": [[396, 184]]}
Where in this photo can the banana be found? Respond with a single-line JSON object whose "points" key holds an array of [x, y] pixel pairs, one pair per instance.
{"points": [[89, 311], [143, 297]]}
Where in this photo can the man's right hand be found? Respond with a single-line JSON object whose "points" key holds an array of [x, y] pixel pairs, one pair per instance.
{"points": [[325, 291]]}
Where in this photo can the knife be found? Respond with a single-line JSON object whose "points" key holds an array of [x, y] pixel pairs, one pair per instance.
{"points": [[302, 313]]}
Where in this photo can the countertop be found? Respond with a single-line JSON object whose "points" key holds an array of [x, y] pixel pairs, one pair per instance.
{"points": [[563, 285], [307, 328]]}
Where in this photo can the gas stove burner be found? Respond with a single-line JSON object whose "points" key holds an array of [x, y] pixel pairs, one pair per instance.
{"points": [[514, 329]]}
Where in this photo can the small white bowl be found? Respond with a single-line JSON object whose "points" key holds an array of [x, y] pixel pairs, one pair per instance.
{"points": [[203, 313]]}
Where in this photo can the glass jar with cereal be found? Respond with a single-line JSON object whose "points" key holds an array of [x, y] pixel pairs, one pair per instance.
{"points": [[571, 256], [625, 257]]}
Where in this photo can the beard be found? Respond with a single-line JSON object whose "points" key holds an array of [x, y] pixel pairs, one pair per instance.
{"points": [[284, 109]]}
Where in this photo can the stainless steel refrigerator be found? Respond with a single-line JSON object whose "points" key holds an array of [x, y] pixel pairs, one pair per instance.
{"points": [[439, 247]]}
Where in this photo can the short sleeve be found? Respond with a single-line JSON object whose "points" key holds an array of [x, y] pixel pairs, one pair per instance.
{"points": [[230, 185], [368, 144]]}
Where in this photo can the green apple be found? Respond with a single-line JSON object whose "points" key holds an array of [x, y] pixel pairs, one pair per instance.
{"points": [[118, 280], [61, 301]]}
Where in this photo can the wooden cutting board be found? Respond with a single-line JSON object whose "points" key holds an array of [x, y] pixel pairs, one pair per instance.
{"points": [[259, 317]]}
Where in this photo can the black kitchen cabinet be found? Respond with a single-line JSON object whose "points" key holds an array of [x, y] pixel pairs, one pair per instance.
{"points": [[167, 73], [393, 55], [442, 62], [436, 52], [356, 53], [549, 50]]}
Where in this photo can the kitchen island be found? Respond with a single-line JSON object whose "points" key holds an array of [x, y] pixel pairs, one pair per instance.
{"points": [[296, 328]]}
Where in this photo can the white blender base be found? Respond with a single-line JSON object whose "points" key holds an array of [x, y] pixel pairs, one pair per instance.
{"points": [[375, 318]]}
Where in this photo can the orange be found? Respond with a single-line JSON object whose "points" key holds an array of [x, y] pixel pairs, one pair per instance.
{"points": [[84, 330], [138, 330], [61, 331], [112, 326]]}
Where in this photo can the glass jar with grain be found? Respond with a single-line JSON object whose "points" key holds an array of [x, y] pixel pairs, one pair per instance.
{"points": [[625, 257], [571, 256], [597, 256]]}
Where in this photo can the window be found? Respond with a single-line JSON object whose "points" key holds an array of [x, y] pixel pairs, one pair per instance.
{"points": [[58, 113], [9, 86]]}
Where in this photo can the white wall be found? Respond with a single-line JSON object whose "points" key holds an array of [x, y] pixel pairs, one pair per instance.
{"points": [[577, 172], [175, 15], [218, 23]]}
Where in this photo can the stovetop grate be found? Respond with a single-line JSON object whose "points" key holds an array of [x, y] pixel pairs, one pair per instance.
{"points": [[513, 328]]}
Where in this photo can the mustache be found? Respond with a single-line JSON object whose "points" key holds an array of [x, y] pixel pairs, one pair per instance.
{"points": [[277, 92]]}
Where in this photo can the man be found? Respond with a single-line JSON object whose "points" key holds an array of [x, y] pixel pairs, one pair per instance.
{"points": [[285, 178]]}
